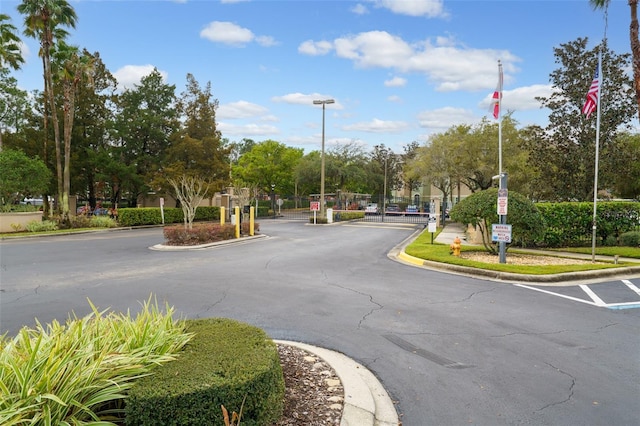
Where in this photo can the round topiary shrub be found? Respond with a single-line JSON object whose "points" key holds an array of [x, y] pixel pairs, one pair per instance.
{"points": [[630, 239], [226, 363]]}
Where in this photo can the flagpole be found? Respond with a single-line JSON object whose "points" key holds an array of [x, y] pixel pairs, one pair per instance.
{"points": [[595, 176], [502, 187]]}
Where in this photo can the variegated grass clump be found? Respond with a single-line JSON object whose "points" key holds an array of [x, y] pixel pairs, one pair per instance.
{"points": [[76, 373]]}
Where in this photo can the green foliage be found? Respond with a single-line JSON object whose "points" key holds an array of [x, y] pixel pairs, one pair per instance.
{"points": [[564, 153], [630, 239], [480, 209], [103, 222], [75, 373], [351, 215], [225, 362], [204, 233], [42, 226], [570, 224], [152, 216], [21, 175], [423, 249], [269, 163]]}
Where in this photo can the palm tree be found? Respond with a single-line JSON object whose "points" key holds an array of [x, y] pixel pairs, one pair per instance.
{"points": [[43, 21], [10, 54], [71, 67], [633, 37]]}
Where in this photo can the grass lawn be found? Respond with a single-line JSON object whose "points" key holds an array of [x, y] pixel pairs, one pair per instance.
{"points": [[423, 249], [630, 252]]}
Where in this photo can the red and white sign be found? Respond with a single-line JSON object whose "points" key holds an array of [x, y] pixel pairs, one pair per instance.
{"points": [[503, 201], [315, 206]]}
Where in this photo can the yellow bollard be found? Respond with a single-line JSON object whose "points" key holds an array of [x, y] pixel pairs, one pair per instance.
{"points": [[222, 215], [252, 222], [237, 213], [455, 246]]}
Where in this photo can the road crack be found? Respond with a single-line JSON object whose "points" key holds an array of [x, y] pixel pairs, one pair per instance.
{"points": [[570, 391], [377, 307]]}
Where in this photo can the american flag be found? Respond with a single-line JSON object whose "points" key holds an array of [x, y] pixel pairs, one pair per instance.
{"points": [[591, 103], [496, 99]]}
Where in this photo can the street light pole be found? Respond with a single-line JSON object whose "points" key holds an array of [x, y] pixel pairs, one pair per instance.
{"points": [[323, 103]]}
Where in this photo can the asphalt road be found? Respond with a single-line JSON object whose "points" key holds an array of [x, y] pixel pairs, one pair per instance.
{"points": [[451, 350]]}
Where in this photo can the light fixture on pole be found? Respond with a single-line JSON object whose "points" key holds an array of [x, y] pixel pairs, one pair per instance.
{"points": [[323, 103]]}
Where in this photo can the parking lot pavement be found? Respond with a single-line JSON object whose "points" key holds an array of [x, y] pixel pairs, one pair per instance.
{"points": [[620, 294]]}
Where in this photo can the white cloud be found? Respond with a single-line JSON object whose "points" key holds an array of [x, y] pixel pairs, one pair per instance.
{"points": [[315, 48], [240, 109], [378, 126], [247, 129], [446, 63], [521, 98], [233, 35], [444, 118], [360, 9], [429, 8], [394, 98], [396, 82], [304, 99], [131, 75]]}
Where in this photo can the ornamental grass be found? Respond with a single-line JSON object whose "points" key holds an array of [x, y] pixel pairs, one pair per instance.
{"points": [[78, 373]]}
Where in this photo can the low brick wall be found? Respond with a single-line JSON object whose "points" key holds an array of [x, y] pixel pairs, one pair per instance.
{"points": [[13, 222]]}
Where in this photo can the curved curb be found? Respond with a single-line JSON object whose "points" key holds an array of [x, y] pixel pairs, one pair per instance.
{"points": [[162, 247], [366, 402], [623, 272]]}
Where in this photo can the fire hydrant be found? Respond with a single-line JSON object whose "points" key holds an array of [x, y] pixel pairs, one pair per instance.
{"points": [[455, 246]]}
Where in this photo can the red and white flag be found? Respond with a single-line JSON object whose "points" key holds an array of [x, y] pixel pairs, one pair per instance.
{"points": [[591, 104], [497, 95]]}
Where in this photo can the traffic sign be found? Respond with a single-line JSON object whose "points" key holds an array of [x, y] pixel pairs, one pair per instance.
{"points": [[315, 206], [503, 201], [501, 233]]}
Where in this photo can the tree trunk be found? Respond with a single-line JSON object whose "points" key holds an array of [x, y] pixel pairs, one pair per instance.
{"points": [[635, 49]]}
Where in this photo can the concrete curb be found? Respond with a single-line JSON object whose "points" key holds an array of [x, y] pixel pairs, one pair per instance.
{"points": [[365, 400], [446, 236], [242, 240]]}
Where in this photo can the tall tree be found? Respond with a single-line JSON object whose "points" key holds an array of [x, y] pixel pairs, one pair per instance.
{"points": [[13, 103], [197, 150], [568, 148], [269, 163], [633, 39], [45, 21], [145, 120], [10, 53], [72, 68], [94, 168]]}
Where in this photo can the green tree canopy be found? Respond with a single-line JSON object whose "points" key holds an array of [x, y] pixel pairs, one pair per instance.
{"points": [[21, 176], [269, 163], [480, 210]]}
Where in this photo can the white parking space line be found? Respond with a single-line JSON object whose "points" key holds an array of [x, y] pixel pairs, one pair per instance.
{"points": [[556, 294], [632, 286], [597, 301]]}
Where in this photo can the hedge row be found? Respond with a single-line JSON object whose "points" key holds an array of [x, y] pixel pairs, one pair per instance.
{"points": [[570, 224], [225, 363], [152, 215]]}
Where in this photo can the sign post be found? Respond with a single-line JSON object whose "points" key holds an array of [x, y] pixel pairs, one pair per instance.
{"points": [[432, 226], [315, 207], [503, 201]]}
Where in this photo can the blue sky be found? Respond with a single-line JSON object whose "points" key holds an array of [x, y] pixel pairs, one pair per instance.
{"points": [[399, 70]]}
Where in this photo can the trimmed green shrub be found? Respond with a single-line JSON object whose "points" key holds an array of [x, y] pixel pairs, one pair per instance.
{"points": [[152, 215], [350, 215], [570, 224], [41, 226], [225, 362], [102, 222], [630, 239]]}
